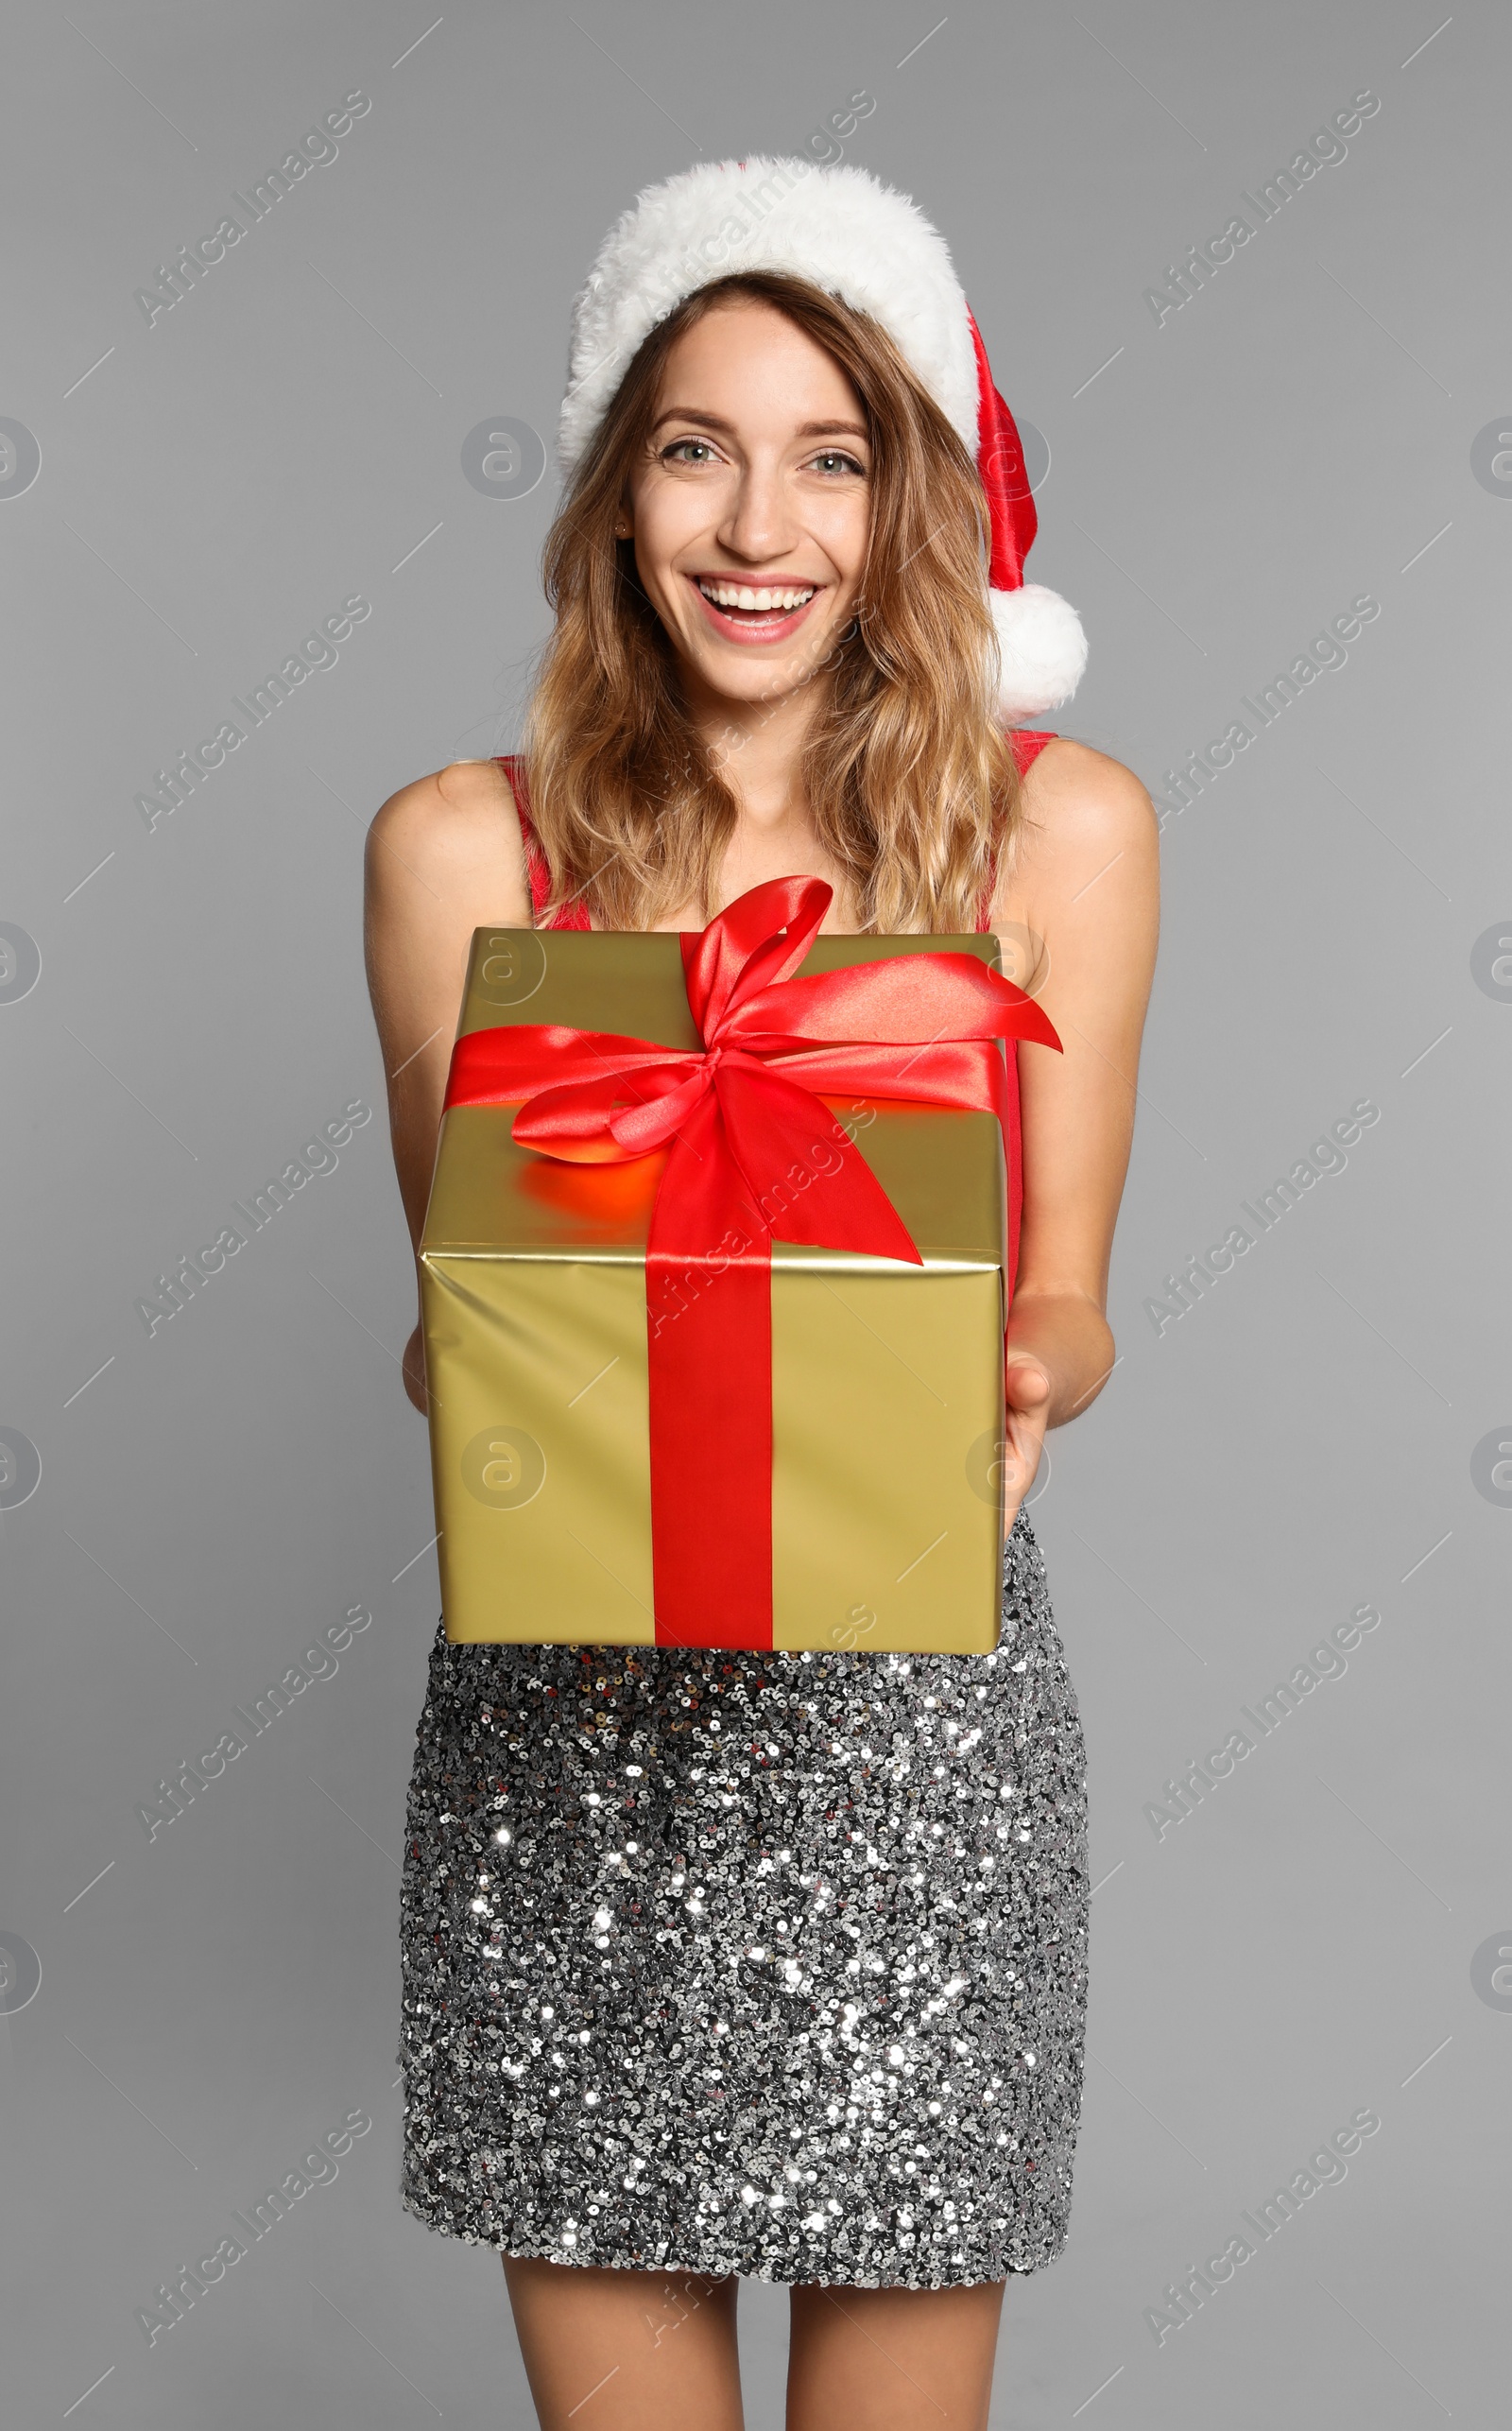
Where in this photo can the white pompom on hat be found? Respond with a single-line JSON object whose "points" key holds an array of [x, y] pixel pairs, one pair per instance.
{"points": [[849, 234]]}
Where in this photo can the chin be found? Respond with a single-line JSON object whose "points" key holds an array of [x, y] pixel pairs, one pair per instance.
{"points": [[746, 676], [747, 686]]}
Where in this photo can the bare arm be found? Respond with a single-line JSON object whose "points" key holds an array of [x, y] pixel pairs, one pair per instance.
{"points": [[444, 857], [1085, 880]]}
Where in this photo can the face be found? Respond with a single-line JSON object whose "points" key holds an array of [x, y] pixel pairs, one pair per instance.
{"points": [[750, 505]]}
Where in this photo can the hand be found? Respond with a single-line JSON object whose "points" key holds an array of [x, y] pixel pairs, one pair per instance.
{"points": [[1058, 1357], [1027, 1388], [414, 1372]]}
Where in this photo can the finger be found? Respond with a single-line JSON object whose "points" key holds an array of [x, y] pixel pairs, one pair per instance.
{"points": [[1020, 1467], [1026, 1383], [1019, 1473]]}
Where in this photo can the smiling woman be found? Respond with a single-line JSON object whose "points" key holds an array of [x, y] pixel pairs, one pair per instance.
{"points": [[720, 1960]]}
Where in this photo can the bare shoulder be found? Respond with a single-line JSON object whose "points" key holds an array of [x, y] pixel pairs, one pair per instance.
{"points": [[1081, 809], [1080, 889], [456, 827]]}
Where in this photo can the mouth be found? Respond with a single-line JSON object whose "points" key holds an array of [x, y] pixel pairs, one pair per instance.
{"points": [[745, 611]]}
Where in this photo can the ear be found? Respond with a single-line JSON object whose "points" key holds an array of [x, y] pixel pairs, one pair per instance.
{"points": [[624, 528]]}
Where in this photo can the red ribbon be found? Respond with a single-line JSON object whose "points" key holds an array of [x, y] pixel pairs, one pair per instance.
{"points": [[753, 1156]]}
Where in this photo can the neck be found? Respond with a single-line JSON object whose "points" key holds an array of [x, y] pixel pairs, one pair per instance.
{"points": [[757, 749]]}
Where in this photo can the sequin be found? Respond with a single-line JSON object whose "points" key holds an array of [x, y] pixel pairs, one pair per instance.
{"points": [[772, 1964]]}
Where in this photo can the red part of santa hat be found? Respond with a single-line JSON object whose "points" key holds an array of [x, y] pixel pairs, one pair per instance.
{"points": [[845, 231]]}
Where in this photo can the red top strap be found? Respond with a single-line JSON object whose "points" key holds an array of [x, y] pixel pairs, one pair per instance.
{"points": [[1027, 746], [572, 915]]}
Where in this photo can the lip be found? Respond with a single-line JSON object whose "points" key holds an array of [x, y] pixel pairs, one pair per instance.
{"points": [[777, 624]]}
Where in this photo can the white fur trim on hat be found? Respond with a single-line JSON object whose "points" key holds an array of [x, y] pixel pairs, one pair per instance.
{"points": [[838, 227], [1042, 649]]}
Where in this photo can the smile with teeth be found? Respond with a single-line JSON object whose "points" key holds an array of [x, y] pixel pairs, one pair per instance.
{"points": [[741, 595]]}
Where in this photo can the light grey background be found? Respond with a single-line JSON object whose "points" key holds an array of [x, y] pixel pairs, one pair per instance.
{"points": [[1221, 485]]}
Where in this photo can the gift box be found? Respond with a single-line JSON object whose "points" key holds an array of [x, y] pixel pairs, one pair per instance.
{"points": [[713, 1277]]}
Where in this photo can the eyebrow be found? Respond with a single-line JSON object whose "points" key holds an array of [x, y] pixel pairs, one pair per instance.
{"points": [[717, 421]]}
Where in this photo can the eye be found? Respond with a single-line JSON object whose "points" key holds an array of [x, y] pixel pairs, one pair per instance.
{"points": [[834, 461], [699, 451]]}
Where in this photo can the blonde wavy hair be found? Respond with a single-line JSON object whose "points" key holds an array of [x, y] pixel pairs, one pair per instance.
{"points": [[910, 782]]}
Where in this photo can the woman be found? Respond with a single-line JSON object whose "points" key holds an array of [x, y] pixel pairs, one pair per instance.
{"points": [[775, 654]]}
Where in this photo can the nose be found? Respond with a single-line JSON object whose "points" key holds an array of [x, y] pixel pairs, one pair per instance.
{"points": [[759, 524]]}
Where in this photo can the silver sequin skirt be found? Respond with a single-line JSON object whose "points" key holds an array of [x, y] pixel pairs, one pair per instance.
{"points": [[772, 1964]]}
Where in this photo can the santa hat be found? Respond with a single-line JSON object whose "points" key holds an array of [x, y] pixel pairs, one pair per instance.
{"points": [[845, 232]]}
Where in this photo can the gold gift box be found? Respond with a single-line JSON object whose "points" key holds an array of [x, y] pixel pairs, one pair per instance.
{"points": [[887, 1378]]}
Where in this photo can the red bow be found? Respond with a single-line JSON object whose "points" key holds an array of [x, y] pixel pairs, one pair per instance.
{"points": [[754, 1155]]}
